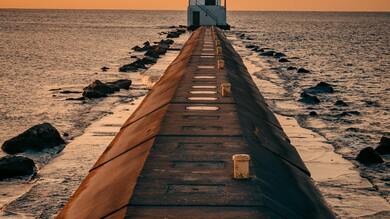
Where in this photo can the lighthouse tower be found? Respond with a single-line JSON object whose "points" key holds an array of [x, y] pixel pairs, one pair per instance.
{"points": [[207, 13]]}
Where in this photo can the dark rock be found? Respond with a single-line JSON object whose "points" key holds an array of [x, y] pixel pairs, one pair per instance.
{"points": [[173, 35], [152, 53], [161, 49], [349, 113], [370, 103], [291, 68], [279, 55], [341, 103], [142, 49], [36, 138], [104, 69], [181, 31], [268, 53], [167, 41], [302, 70], [283, 60], [249, 38], [309, 99], [122, 84], [321, 87], [138, 64], [251, 46], [352, 130], [65, 134], [16, 167], [134, 57], [242, 36], [313, 114], [70, 92], [76, 99], [369, 156], [149, 60], [97, 89], [384, 145]]}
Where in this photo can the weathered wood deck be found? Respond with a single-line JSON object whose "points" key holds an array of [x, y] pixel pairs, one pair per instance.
{"points": [[173, 157]]}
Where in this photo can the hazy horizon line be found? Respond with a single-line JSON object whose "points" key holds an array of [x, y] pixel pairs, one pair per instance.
{"points": [[122, 9]]}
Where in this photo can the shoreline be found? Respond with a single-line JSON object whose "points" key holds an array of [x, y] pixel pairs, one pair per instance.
{"points": [[339, 180], [42, 196]]}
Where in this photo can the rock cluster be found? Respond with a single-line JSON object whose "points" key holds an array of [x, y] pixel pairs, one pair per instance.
{"points": [[36, 138], [152, 53]]}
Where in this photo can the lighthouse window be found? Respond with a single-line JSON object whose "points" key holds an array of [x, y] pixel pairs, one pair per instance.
{"points": [[210, 2]]}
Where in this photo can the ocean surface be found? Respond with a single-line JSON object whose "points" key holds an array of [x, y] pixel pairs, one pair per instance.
{"points": [[44, 52]]}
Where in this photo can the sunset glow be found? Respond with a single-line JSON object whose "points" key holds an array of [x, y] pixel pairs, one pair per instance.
{"points": [[251, 5]]}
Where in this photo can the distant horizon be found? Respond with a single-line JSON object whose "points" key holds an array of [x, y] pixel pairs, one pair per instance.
{"points": [[184, 10], [181, 5]]}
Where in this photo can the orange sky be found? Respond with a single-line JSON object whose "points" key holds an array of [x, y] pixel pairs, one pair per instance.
{"points": [[273, 5]]}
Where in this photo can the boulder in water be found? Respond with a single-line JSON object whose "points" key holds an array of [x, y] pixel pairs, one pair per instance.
{"points": [[309, 99], [152, 53], [279, 55], [313, 114], [173, 34], [369, 156], [303, 70], [98, 89], [149, 60], [132, 67], [341, 103], [384, 145], [104, 69], [251, 46], [283, 60], [16, 167], [321, 87], [268, 53], [122, 84], [142, 49], [36, 138], [349, 113]]}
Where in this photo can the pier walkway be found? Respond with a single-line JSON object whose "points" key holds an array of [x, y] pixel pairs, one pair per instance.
{"points": [[173, 157]]}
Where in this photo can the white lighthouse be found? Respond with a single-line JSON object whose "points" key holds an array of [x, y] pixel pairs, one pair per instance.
{"points": [[207, 13]]}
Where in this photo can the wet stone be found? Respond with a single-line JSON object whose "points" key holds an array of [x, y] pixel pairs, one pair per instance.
{"points": [[384, 145], [369, 156], [16, 167], [321, 87], [283, 60], [303, 70], [309, 99], [341, 103], [36, 138]]}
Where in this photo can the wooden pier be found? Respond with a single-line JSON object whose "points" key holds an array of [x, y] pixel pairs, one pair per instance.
{"points": [[173, 157]]}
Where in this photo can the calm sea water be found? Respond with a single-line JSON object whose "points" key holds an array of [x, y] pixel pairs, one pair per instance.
{"points": [[42, 50]]}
